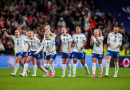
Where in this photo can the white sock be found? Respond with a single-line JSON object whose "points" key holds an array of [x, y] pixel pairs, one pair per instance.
{"points": [[25, 68], [93, 68], [34, 69], [43, 69], [100, 68], [63, 68], [53, 68], [107, 66], [86, 68], [16, 68], [116, 68], [50, 68], [69, 67], [46, 66], [74, 69]]}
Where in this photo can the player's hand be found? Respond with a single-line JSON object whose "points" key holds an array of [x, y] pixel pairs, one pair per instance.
{"points": [[26, 54], [43, 56], [92, 37], [49, 51], [68, 52], [108, 44], [81, 47], [119, 45], [60, 50], [35, 53], [4, 30]]}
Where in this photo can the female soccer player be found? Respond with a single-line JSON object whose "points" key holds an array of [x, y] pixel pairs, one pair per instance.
{"points": [[114, 42], [19, 45], [97, 42], [26, 35], [49, 46], [34, 44], [53, 36], [66, 50], [79, 43]]}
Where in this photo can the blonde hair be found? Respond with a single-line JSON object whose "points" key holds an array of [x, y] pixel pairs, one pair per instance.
{"points": [[99, 31]]}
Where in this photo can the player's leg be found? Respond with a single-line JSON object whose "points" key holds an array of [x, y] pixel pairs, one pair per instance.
{"points": [[46, 67], [69, 66], [18, 59], [100, 67], [116, 62], [93, 66], [74, 56], [50, 67], [26, 65], [53, 67], [108, 58], [25, 59], [63, 64], [82, 59], [63, 67], [34, 67], [40, 66]]}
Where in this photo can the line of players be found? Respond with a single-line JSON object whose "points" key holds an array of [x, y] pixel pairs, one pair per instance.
{"points": [[28, 46]]}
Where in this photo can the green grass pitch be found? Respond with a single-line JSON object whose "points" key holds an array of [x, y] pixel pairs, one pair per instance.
{"points": [[81, 82]]}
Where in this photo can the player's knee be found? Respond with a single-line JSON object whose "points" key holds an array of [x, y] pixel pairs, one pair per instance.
{"points": [[45, 65], [108, 61]]}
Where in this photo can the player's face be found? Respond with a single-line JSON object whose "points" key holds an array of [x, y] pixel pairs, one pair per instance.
{"points": [[47, 29], [78, 30], [64, 31], [47, 36], [116, 29], [24, 32], [96, 33], [17, 33], [31, 35]]}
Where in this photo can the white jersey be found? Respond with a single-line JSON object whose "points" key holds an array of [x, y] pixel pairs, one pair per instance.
{"points": [[78, 42], [98, 48], [19, 43], [114, 40], [49, 44], [25, 43], [65, 42], [52, 38], [34, 44]]}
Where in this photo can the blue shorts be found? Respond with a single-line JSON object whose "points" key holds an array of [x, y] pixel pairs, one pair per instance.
{"points": [[65, 55], [23, 54], [98, 56], [20, 54], [50, 57], [113, 54], [37, 56], [44, 54], [70, 55], [78, 55]]}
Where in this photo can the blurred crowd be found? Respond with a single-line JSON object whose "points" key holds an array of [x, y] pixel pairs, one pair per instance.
{"points": [[57, 13]]}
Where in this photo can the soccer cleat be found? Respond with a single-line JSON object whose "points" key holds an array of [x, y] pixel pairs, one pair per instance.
{"points": [[115, 76], [34, 75], [46, 74], [13, 74], [106, 75], [93, 75], [74, 75], [69, 75], [100, 75], [22, 75], [28, 72], [63, 75], [88, 74], [51, 75]]}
